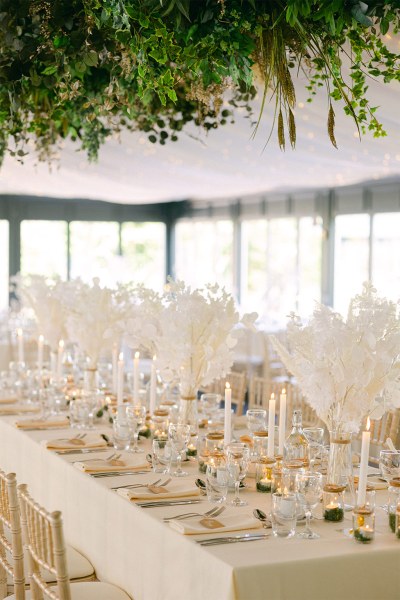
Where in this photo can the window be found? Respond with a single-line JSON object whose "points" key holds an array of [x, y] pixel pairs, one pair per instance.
{"points": [[44, 248], [309, 264], [204, 252], [385, 254], [95, 251], [143, 250], [281, 267], [4, 236], [351, 258]]}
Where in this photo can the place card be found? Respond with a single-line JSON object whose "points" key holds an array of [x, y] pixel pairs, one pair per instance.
{"points": [[211, 523]]}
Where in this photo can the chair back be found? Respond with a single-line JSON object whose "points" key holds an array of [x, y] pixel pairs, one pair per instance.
{"points": [[387, 427], [238, 383], [260, 390], [10, 522], [45, 546]]}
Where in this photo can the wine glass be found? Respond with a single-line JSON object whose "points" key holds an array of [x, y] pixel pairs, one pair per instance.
{"points": [[309, 489], [237, 461], [389, 466], [315, 436], [136, 416], [179, 436], [210, 404]]}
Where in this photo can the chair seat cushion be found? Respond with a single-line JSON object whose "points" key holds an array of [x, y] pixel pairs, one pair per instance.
{"points": [[91, 590], [78, 567]]}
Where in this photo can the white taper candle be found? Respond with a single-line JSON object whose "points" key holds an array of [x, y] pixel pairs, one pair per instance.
{"points": [[282, 421], [271, 426], [228, 414], [362, 479]]}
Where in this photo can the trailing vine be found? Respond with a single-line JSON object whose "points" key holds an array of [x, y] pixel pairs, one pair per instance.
{"points": [[86, 69]]}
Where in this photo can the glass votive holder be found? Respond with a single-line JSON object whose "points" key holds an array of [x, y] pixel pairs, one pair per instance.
{"points": [[393, 501], [161, 456], [159, 424], [121, 434], [217, 478], [333, 502], [276, 478], [191, 450], [264, 467], [260, 443], [363, 524], [283, 514], [397, 522]]}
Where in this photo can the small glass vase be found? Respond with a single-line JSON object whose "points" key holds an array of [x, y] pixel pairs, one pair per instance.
{"points": [[340, 464], [188, 412], [90, 379]]}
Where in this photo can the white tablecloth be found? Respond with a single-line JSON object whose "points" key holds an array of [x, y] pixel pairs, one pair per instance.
{"points": [[132, 547]]}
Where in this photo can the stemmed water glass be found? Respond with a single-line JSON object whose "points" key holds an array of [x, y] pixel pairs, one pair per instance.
{"points": [[237, 462], [389, 466], [309, 489], [315, 437], [179, 436], [136, 416]]}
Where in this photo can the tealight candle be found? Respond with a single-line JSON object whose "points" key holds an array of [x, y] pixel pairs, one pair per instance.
{"points": [[264, 474], [333, 502]]}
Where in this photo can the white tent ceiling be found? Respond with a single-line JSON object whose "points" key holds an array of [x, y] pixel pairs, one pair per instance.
{"points": [[226, 163]]}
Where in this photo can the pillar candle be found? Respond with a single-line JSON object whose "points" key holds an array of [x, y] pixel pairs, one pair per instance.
{"points": [[153, 386], [40, 352], [120, 379], [228, 413], [362, 480], [60, 357], [271, 426], [114, 368], [282, 421], [20, 339], [136, 378]]}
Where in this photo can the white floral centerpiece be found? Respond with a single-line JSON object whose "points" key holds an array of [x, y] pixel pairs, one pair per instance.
{"points": [[94, 312], [198, 330], [347, 368], [44, 296]]}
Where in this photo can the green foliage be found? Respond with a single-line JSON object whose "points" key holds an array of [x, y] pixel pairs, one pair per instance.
{"points": [[85, 69]]}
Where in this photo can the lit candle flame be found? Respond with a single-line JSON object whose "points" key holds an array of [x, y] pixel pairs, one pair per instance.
{"points": [[61, 344], [272, 396], [121, 356], [154, 357], [283, 391], [19, 332], [368, 424], [41, 338], [137, 354], [227, 385]]}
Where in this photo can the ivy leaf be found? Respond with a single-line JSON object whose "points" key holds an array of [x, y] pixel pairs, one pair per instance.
{"points": [[91, 58], [50, 70]]}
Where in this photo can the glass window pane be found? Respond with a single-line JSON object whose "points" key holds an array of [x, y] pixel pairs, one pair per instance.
{"points": [[310, 260], [94, 251], [204, 252], [253, 264], [385, 254], [44, 248], [4, 236], [351, 258], [143, 250], [281, 291]]}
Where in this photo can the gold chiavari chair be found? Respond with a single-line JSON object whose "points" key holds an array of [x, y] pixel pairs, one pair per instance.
{"points": [[238, 383], [44, 543], [11, 548], [386, 427]]}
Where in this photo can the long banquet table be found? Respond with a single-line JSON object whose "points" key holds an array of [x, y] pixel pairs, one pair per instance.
{"points": [[132, 547]]}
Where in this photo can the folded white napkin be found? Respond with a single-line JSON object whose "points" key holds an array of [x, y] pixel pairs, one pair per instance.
{"points": [[15, 409], [132, 463], [70, 442], [175, 490], [229, 523], [42, 423], [377, 484]]}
